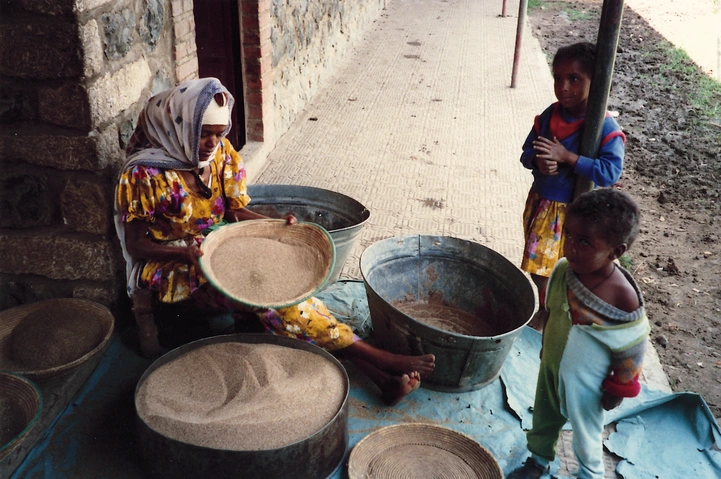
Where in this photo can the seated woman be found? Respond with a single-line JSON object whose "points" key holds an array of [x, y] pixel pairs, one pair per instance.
{"points": [[180, 178]]}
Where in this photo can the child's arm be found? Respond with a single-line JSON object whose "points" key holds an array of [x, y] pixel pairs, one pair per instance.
{"points": [[529, 153], [606, 169], [623, 380], [532, 159], [603, 171]]}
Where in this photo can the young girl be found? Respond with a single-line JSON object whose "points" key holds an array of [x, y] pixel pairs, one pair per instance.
{"points": [[595, 339], [551, 153]]}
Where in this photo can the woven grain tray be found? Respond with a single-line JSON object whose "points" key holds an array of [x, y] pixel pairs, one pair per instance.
{"points": [[268, 263], [407, 451], [91, 310], [27, 403]]}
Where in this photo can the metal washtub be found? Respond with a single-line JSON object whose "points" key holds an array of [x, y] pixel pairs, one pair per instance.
{"points": [[456, 273], [342, 216]]}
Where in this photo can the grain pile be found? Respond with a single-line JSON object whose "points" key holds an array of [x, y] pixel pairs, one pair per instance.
{"points": [[12, 420], [266, 271], [46, 339], [446, 318], [242, 397]]}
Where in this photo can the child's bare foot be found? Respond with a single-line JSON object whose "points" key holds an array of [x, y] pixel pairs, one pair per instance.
{"points": [[399, 387]]}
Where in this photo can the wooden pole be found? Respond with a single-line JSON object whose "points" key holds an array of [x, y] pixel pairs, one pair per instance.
{"points": [[522, 8], [606, 45]]}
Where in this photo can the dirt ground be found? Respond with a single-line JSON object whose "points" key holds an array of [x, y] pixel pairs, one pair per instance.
{"points": [[673, 171]]}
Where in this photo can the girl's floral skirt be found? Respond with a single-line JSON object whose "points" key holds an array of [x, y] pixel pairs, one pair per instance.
{"points": [[543, 221]]}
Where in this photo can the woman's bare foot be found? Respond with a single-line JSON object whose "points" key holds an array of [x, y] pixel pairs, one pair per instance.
{"points": [[399, 387], [421, 365], [390, 363]]}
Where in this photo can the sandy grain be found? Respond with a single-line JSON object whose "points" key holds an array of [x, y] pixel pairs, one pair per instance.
{"points": [[265, 271], [240, 396]]}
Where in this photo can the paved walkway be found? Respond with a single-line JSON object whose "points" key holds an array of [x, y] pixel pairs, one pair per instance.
{"points": [[419, 124]]}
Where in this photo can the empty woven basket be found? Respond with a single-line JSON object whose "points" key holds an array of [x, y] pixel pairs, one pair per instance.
{"points": [[100, 325], [268, 263], [20, 406], [407, 451]]}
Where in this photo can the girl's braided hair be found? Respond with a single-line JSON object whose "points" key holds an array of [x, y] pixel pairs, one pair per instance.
{"points": [[583, 52], [614, 211]]}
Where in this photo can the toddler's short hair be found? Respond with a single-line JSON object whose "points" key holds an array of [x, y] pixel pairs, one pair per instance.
{"points": [[583, 52], [614, 211]]}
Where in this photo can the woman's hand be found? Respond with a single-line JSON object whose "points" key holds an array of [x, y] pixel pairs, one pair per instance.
{"points": [[139, 245], [191, 255]]}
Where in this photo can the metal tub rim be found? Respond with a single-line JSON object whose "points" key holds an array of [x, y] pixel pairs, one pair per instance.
{"points": [[364, 213], [495, 254]]}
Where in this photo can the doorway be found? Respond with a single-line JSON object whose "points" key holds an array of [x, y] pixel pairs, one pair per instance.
{"points": [[217, 37]]}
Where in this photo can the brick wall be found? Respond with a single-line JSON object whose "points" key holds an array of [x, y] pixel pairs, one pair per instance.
{"points": [[257, 49]]}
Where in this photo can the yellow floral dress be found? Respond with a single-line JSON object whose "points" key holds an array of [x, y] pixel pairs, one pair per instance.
{"points": [[309, 321], [178, 215]]}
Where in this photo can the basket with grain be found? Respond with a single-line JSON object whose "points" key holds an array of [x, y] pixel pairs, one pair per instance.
{"points": [[268, 263]]}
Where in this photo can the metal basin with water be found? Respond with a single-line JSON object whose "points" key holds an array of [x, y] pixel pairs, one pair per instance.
{"points": [[342, 216], [315, 457], [453, 273]]}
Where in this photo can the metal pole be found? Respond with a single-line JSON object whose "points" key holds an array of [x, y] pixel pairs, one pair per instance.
{"points": [[503, 10], [606, 44], [522, 7]]}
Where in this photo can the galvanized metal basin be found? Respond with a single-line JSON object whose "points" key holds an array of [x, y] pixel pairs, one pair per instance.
{"points": [[317, 456], [462, 275], [342, 216]]}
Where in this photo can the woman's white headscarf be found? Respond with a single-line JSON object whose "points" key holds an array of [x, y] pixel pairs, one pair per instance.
{"points": [[168, 131], [168, 137]]}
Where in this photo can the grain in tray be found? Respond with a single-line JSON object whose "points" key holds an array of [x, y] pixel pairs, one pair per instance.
{"points": [[265, 270], [244, 397]]}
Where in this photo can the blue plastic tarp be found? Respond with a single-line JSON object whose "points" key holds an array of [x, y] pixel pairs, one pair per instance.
{"points": [[658, 434]]}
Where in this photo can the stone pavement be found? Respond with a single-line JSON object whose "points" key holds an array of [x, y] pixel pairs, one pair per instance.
{"points": [[419, 124]]}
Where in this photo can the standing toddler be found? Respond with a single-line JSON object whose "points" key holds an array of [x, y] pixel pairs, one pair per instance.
{"points": [[595, 338]]}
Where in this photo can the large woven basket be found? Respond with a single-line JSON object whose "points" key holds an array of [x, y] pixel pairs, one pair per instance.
{"points": [[10, 318], [26, 400], [268, 263], [406, 451]]}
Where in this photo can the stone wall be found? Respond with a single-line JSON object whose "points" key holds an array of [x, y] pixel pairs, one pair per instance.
{"points": [[308, 38], [73, 76]]}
